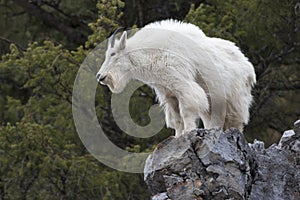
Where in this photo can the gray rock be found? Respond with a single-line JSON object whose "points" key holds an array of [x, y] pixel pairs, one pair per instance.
{"points": [[286, 139], [161, 196], [211, 164], [297, 127], [257, 145]]}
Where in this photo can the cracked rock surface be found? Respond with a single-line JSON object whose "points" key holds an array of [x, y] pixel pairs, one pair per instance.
{"points": [[211, 164]]}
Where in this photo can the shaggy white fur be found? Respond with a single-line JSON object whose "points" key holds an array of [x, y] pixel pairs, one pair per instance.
{"points": [[194, 76]]}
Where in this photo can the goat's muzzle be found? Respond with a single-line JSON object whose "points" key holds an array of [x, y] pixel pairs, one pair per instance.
{"points": [[100, 78]]}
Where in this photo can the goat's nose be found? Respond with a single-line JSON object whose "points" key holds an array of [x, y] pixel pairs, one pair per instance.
{"points": [[100, 78]]}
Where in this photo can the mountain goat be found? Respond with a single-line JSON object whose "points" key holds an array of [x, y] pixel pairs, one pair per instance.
{"points": [[193, 76]]}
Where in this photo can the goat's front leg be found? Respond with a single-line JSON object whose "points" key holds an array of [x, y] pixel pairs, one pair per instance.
{"points": [[189, 116], [171, 106], [193, 103], [173, 118]]}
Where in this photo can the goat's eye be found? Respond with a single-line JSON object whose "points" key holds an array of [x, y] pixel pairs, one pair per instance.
{"points": [[112, 54]]}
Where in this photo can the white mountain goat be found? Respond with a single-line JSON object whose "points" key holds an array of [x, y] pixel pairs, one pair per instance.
{"points": [[194, 76]]}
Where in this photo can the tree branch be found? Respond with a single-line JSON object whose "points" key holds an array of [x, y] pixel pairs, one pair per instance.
{"points": [[12, 42], [51, 21]]}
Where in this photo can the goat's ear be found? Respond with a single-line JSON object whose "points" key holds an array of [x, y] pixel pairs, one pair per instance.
{"points": [[123, 40]]}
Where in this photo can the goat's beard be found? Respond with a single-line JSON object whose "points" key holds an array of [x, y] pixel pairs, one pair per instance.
{"points": [[116, 85]]}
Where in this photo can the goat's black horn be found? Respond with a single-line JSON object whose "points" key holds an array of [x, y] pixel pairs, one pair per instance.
{"points": [[112, 38]]}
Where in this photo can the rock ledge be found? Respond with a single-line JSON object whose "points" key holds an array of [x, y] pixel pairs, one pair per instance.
{"points": [[211, 164]]}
